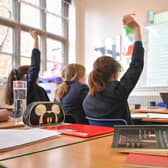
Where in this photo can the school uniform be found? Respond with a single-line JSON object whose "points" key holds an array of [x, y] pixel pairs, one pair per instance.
{"points": [[34, 91], [72, 101], [112, 101]]}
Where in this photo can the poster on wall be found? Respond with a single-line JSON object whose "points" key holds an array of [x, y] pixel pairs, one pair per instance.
{"points": [[108, 47], [128, 41]]}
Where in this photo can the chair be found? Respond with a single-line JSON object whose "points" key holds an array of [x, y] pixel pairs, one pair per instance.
{"points": [[107, 122]]}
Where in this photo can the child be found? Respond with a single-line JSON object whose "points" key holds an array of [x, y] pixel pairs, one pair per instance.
{"points": [[107, 96], [72, 91], [29, 74]]}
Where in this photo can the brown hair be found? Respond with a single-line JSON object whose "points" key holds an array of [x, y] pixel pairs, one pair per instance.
{"points": [[15, 74], [103, 68], [70, 73]]}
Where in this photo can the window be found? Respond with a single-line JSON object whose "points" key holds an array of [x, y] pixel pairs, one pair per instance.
{"points": [[5, 50], [30, 13], [48, 17], [157, 69], [156, 54], [6, 8], [54, 17]]}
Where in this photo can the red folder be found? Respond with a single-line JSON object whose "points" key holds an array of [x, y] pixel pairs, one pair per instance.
{"points": [[143, 160], [81, 130]]}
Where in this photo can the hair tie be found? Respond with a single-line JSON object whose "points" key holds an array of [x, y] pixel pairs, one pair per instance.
{"points": [[67, 82]]}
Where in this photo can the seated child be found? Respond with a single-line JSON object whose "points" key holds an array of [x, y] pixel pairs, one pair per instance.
{"points": [[72, 92], [29, 74], [107, 96]]}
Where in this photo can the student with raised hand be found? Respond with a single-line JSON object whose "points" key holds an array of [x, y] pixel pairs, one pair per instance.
{"points": [[72, 92], [107, 96], [29, 74]]}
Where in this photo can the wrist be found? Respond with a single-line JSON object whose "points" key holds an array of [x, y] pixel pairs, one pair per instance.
{"points": [[137, 28], [36, 38]]}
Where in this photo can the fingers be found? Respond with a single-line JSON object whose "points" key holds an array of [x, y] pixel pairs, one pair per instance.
{"points": [[34, 33], [128, 19]]}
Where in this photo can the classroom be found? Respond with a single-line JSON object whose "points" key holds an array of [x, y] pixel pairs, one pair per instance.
{"points": [[83, 83]]}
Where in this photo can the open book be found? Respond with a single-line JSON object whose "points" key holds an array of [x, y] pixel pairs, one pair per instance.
{"points": [[12, 139], [149, 139]]}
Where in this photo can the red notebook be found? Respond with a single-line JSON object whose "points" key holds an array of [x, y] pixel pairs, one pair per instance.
{"points": [[142, 160], [81, 130]]}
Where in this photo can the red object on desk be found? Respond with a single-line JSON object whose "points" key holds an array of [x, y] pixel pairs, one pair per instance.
{"points": [[144, 160], [81, 130]]}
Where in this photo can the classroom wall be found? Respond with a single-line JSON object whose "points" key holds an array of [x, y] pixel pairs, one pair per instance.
{"points": [[99, 19]]}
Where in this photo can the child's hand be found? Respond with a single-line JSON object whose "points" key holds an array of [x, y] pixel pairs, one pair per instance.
{"points": [[130, 21], [34, 34]]}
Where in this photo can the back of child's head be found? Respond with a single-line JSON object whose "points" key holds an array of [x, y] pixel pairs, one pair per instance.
{"points": [[103, 69], [70, 73], [15, 74], [73, 72]]}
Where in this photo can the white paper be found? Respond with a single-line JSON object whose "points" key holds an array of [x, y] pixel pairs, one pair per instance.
{"points": [[149, 115], [139, 115], [158, 115], [11, 138]]}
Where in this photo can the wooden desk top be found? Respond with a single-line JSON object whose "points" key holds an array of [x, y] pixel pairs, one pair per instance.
{"points": [[90, 154], [47, 144], [155, 120], [151, 110], [10, 125]]}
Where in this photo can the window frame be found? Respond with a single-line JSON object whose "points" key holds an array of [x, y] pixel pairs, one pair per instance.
{"points": [[18, 27]]}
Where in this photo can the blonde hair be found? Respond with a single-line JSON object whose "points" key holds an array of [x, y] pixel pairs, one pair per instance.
{"points": [[70, 73]]}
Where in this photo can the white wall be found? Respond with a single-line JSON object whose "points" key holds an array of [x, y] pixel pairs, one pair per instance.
{"points": [[99, 19]]}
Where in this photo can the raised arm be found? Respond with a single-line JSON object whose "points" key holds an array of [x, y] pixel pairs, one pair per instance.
{"points": [[130, 78], [34, 34], [34, 68]]}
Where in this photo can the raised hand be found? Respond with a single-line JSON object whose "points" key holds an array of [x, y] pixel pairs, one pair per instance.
{"points": [[130, 21], [34, 34]]}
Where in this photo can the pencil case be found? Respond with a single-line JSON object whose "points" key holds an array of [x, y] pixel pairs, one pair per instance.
{"points": [[43, 113]]}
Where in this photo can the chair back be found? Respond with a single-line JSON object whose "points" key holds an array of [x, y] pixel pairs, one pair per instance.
{"points": [[107, 122]]}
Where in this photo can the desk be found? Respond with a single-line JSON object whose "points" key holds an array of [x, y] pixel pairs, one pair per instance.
{"points": [[151, 110], [90, 154], [10, 124], [48, 144], [163, 111]]}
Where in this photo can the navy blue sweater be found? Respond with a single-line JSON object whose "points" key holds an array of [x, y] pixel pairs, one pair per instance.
{"points": [[72, 101], [34, 91], [112, 102]]}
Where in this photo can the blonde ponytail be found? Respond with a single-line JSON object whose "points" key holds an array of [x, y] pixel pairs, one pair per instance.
{"points": [[61, 90]]}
